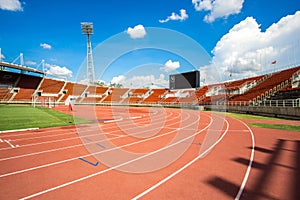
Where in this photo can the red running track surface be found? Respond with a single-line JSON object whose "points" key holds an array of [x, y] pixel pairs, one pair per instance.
{"points": [[85, 161]]}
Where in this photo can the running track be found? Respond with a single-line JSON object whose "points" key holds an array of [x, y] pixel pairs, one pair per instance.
{"points": [[221, 158]]}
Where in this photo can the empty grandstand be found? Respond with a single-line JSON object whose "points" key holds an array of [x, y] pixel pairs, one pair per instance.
{"points": [[275, 89]]}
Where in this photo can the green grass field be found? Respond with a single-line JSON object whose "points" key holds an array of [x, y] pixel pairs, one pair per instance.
{"points": [[277, 126], [263, 125], [19, 117], [247, 116]]}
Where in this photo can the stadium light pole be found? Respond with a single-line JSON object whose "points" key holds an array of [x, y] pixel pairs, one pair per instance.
{"points": [[21, 59], [87, 29]]}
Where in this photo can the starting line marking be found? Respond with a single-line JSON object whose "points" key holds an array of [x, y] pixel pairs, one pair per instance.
{"points": [[9, 143], [89, 162], [103, 147]]}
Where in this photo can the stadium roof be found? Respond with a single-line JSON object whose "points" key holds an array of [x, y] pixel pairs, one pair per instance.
{"points": [[20, 67]]}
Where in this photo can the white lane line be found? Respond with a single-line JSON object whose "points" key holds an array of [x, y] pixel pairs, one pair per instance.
{"points": [[19, 130], [91, 128], [78, 145], [238, 196], [113, 120], [75, 138], [73, 146], [44, 131], [51, 131], [96, 153], [182, 168], [135, 117], [45, 136], [1, 140], [9, 143], [69, 132], [115, 167]]}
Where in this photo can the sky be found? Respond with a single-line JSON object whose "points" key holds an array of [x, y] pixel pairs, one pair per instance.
{"points": [[140, 43]]}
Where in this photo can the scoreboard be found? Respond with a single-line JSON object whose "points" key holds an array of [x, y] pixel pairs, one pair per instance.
{"points": [[184, 80]]}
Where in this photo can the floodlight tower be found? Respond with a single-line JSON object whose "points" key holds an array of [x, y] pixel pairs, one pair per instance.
{"points": [[87, 29]]}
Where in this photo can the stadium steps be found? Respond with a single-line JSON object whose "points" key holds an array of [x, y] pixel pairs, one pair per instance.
{"points": [[61, 92], [106, 93]]}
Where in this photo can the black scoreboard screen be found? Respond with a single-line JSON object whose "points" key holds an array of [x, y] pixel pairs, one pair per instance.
{"points": [[184, 80]]}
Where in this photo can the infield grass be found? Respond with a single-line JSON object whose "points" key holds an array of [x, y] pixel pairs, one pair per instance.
{"points": [[247, 116], [264, 125], [277, 126], [19, 117]]}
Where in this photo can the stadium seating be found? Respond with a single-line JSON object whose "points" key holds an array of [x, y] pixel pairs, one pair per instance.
{"points": [[51, 86], [73, 89], [94, 94], [135, 95], [27, 85], [201, 92], [3, 93], [19, 87], [260, 90], [155, 96], [115, 95], [8, 78]]}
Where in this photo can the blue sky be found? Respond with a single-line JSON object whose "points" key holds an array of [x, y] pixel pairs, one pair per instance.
{"points": [[239, 38]]}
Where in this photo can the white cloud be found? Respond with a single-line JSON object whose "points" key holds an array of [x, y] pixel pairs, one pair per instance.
{"points": [[175, 17], [218, 8], [137, 32], [246, 50], [141, 81], [11, 5], [202, 4], [170, 66], [46, 46], [55, 70], [31, 63], [118, 79]]}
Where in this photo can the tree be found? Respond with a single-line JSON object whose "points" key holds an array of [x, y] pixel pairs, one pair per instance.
{"points": [[116, 85], [100, 83]]}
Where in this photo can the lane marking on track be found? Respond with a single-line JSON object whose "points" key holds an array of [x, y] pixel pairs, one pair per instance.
{"points": [[113, 120], [19, 130], [197, 143], [182, 168], [100, 145], [52, 131], [84, 160], [96, 153], [9, 143], [73, 146], [1, 140], [238, 196], [115, 167], [135, 117], [75, 138]]}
